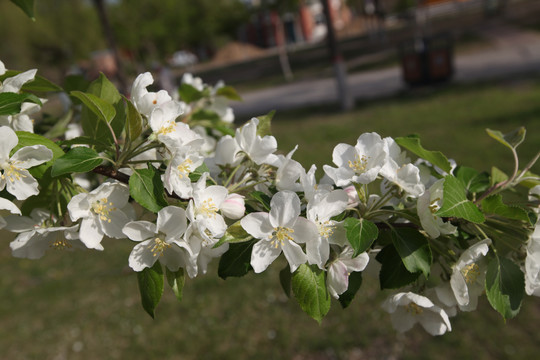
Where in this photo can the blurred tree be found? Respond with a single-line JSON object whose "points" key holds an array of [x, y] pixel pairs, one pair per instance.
{"points": [[53, 41], [153, 30]]}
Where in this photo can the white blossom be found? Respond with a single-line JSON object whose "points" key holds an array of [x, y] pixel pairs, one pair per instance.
{"points": [[407, 309], [341, 268], [14, 174], [427, 205], [144, 100], [102, 212]]}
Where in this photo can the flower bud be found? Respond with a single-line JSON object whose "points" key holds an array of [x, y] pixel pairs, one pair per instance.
{"points": [[352, 195], [233, 207]]}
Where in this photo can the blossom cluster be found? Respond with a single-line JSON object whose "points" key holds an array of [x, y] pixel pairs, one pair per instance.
{"points": [[187, 188]]}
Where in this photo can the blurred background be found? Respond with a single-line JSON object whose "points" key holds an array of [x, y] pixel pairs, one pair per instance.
{"points": [[333, 69]]}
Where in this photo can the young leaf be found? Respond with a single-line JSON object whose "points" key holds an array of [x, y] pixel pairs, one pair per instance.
{"points": [[497, 176], [77, 160], [234, 234], [261, 198], [265, 124], [414, 250], [505, 285], [10, 103], [188, 93], [309, 289], [104, 110], [473, 180], [412, 143], [196, 174], [202, 114], [285, 278], [236, 261], [355, 282], [455, 202], [151, 287], [176, 281], [229, 92], [361, 233], [511, 140], [393, 274], [146, 188], [494, 205], [134, 121], [27, 6]]}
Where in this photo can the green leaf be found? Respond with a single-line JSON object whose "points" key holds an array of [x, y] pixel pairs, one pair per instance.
{"points": [[146, 188], [39, 84], [361, 233], [236, 261], [265, 124], [511, 140], [455, 202], [77, 160], [188, 93], [10, 103], [151, 287], [414, 250], [285, 278], [473, 180], [30, 139], [494, 205], [196, 174], [309, 289], [229, 92], [412, 143], [505, 285], [134, 121], [234, 234], [104, 110], [27, 6], [176, 281], [203, 114], [261, 198], [497, 176], [393, 274], [355, 282], [75, 82]]}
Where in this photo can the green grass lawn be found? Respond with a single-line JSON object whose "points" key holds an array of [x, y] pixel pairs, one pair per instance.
{"points": [[85, 305]]}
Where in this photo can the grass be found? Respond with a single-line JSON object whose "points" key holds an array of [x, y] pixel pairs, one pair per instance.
{"points": [[85, 304]]}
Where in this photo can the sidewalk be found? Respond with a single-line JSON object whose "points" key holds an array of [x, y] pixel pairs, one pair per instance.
{"points": [[508, 52]]}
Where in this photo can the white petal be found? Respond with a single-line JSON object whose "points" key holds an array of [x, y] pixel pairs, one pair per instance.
{"points": [[30, 156], [284, 209], [15, 83], [9, 141], [294, 255], [8, 205], [78, 207], [91, 234], [262, 255], [141, 256], [172, 221], [139, 230], [23, 188], [257, 225]]}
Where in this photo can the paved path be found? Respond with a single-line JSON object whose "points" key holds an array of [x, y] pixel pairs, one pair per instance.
{"points": [[508, 52]]}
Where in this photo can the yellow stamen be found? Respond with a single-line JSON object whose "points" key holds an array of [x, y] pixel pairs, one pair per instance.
{"points": [[60, 243], [158, 246], [280, 234], [359, 165], [166, 129], [325, 229], [208, 208], [471, 272], [12, 172], [414, 309], [103, 208], [184, 168]]}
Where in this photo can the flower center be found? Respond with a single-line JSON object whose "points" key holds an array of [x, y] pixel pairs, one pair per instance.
{"points": [[11, 171], [434, 205], [60, 242], [208, 208], [280, 234], [167, 129], [103, 208], [359, 164], [414, 309], [184, 168], [326, 229], [158, 246], [471, 272]]}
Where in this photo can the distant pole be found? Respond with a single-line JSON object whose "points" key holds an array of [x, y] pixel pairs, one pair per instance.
{"points": [[345, 98]]}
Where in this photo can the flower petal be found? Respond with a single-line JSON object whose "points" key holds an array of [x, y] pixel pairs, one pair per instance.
{"points": [[262, 255]]}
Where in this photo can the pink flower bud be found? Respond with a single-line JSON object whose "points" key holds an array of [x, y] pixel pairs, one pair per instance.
{"points": [[233, 207], [353, 196]]}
